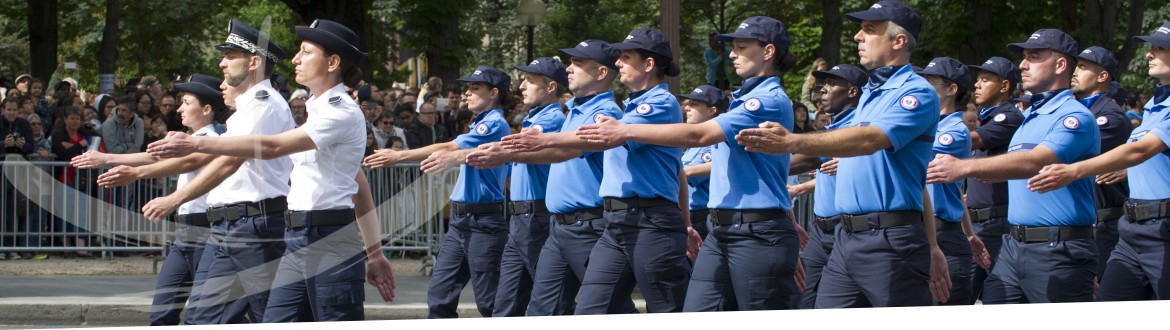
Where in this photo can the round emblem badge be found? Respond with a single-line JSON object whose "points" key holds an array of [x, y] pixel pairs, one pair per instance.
{"points": [[481, 128], [1071, 122], [946, 139], [1000, 117], [538, 128], [597, 118], [909, 102], [643, 108], [1102, 120], [706, 157], [752, 104]]}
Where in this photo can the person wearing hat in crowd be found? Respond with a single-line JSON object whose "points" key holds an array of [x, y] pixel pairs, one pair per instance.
{"points": [[1137, 267], [951, 81], [574, 180], [202, 105], [840, 92], [703, 104], [1092, 84], [246, 198], [478, 229], [528, 227], [22, 83], [998, 118], [750, 256], [1050, 255], [885, 253]]}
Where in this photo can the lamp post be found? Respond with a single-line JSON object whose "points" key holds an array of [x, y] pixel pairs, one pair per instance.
{"points": [[530, 13]]}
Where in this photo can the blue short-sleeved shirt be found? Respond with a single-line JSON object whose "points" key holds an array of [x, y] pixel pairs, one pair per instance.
{"points": [[827, 184], [699, 185], [481, 186], [644, 170], [996, 127], [953, 139], [1059, 122], [744, 180], [529, 180], [1148, 179], [574, 183], [905, 107]]}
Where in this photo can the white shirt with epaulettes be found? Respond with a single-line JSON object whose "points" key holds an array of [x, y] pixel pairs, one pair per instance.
{"points": [[324, 177], [199, 204], [259, 111]]}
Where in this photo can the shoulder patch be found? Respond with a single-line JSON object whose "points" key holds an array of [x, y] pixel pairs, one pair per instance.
{"points": [[999, 117], [707, 157], [1102, 120], [1071, 122], [335, 100], [597, 117], [908, 102], [752, 104], [261, 94], [946, 139], [643, 108], [481, 129], [538, 128]]}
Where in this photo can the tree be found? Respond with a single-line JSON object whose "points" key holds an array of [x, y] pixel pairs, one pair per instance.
{"points": [[354, 14], [108, 54], [42, 37]]}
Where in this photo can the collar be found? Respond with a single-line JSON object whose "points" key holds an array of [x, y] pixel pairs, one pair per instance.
{"points": [[841, 115], [983, 113], [338, 90], [541, 109], [250, 94], [953, 114], [206, 130], [1161, 93], [751, 84], [1088, 101], [1040, 100], [578, 101], [484, 114], [889, 77], [637, 97]]}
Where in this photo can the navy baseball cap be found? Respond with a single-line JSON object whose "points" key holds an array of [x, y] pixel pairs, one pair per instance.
{"points": [[762, 28], [1102, 57], [650, 40], [335, 37], [850, 73], [1053, 39], [1002, 67], [893, 11], [1117, 92], [1160, 37], [489, 75], [244, 37], [948, 68], [548, 67], [708, 94], [596, 50], [205, 86]]}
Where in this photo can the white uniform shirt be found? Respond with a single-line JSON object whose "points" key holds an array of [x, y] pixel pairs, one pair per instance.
{"points": [[261, 111], [199, 204], [324, 178]]}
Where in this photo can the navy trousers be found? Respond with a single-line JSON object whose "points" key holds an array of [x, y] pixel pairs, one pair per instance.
{"points": [[526, 236], [177, 274], [814, 258], [885, 267], [239, 262], [1042, 272], [471, 250], [748, 263], [321, 276], [1137, 267], [1106, 235], [562, 267], [953, 243], [991, 233]]}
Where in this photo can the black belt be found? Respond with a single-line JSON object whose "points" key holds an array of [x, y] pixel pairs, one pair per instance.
{"points": [[232, 212], [193, 219], [1026, 234], [1110, 214], [578, 215], [724, 217], [827, 224], [940, 224], [618, 204], [987, 213], [1142, 210], [484, 208], [527, 207], [299, 219], [878, 220]]}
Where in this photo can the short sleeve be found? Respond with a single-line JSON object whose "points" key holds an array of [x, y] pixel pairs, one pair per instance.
{"points": [[1115, 129], [999, 130], [911, 115], [484, 131], [953, 142], [1162, 131], [328, 127], [1072, 137], [654, 111], [753, 111]]}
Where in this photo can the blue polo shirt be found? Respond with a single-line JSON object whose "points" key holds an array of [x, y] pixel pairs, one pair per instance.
{"points": [[744, 180], [1147, 180], [953, 139], [699, 185], [575, 182], [644, 170], [481, 186], [905, 107], [827, 184], [529, 180], [1059, 122]]}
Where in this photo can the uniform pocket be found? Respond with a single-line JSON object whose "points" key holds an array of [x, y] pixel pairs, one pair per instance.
{"points": [[341, 301]]}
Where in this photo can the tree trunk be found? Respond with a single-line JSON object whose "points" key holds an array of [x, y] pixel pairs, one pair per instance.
{"points": [[108, 53], [442, 66], [42, 38], [1137, 12], [976, 49], [830, 48]]}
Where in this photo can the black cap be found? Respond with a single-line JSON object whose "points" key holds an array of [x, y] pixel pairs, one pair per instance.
{"points": [[596, 50], [948, 68], [205, 86], [1002, 67], [548, 67], [762, 28], [334, 37], [1053, 39], [244, 37], [708, 94], [1117, 92], [850, 73], [1160, 37], [650, 40], [1102, 57], [489, 75], [893, 11]]}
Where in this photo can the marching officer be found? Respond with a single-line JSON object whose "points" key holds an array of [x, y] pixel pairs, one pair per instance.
{"points": [[703, 104]]}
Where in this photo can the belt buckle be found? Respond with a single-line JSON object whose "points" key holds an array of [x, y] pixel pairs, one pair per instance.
{"points": [[847, 222]]}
